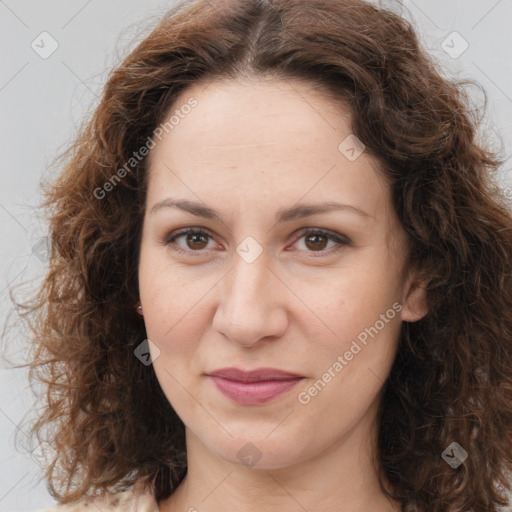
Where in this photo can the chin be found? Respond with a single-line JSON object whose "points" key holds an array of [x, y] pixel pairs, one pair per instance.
{"points": [[259, 451]]}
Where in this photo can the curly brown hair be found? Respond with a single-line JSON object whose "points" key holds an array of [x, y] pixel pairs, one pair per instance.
{"points": [[105, 413]]}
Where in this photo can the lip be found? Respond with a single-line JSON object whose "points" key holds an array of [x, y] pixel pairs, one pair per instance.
{"points": [[255, 386], [257, 375]]}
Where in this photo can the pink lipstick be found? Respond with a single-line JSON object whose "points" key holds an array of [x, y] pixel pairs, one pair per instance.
{"points": [[253, 387]]}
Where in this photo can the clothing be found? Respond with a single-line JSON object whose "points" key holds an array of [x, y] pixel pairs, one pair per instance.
{"points": [[137, 499]]}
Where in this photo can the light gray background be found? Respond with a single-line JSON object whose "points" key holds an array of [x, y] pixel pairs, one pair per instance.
{"points": [[42, 101]]}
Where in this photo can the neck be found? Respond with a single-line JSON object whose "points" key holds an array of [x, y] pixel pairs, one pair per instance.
{"points": [[343, 479]]}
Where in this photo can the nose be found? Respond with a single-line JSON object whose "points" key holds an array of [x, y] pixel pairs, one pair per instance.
{"points": [[251, 308]]}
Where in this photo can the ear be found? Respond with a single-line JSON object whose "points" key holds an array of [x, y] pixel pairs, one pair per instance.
{"points": [[414, 299]]}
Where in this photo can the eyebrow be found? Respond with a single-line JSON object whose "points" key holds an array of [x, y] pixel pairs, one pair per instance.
{"points": [[284, 215]]}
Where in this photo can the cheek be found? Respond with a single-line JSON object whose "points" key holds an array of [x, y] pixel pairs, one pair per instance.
{"points": [[356, 340], [353, 362], [353, 299], [175, 321], [170, 298]]}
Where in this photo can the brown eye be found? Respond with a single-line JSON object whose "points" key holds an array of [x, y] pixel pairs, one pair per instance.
{"points": [[197, 240], [316, 241]]}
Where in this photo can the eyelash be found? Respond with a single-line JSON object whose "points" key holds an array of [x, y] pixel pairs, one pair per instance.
{"points": [[342, 241]]}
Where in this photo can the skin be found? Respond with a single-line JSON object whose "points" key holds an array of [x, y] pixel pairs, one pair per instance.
{"points": [[248, 149]]}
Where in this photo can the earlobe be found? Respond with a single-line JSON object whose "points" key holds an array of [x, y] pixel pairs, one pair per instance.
{"points": [[415, 301]]}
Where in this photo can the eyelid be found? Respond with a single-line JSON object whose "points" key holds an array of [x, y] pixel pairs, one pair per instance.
{"points": [[340, 239], [168, 239], [333, 235]]}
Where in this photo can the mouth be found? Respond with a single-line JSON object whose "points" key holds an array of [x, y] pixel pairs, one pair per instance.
{"points": [[253, 387]]}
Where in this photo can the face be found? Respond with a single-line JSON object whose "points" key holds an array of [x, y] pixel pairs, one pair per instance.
{"points": [[260, 284]]}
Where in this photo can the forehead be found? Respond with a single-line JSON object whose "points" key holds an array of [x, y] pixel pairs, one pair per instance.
{"points": [[265, 112], [273, 139]]}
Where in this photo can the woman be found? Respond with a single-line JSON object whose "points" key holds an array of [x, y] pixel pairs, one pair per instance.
{"points": [[280, 276]]}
